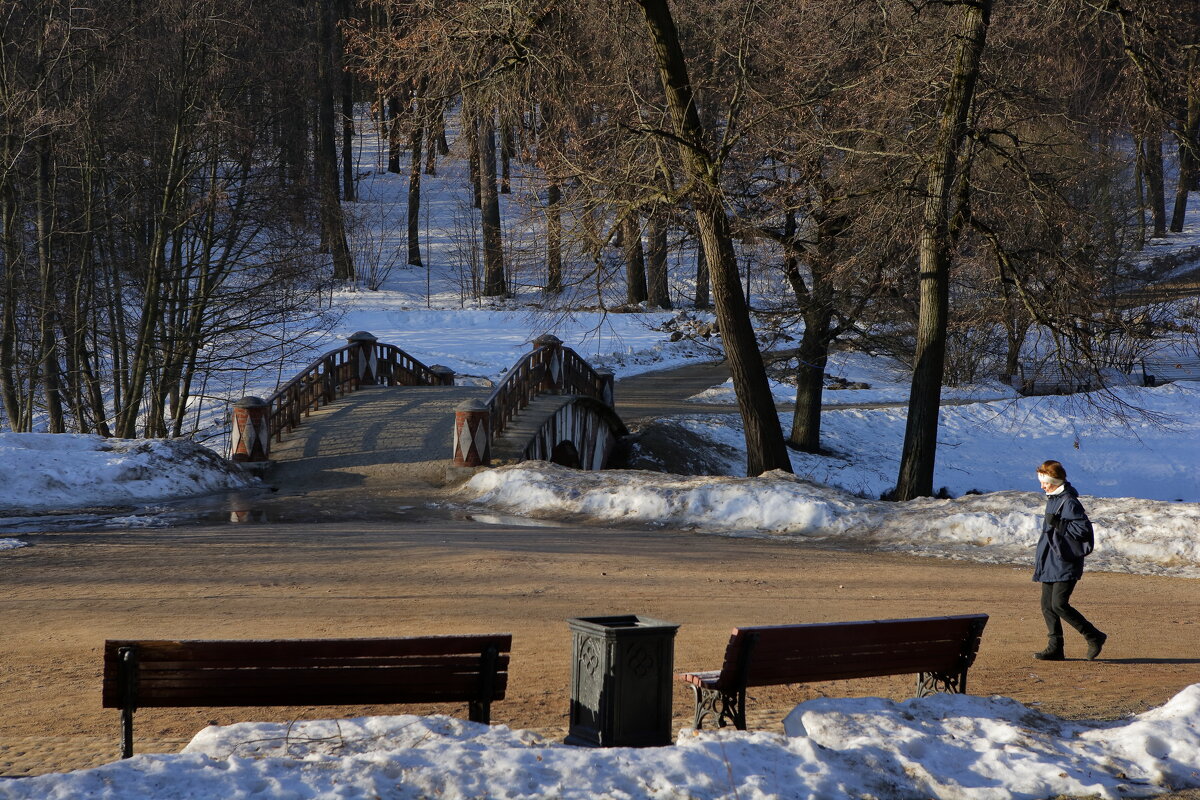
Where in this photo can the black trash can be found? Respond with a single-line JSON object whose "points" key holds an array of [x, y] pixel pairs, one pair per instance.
{"points": [[621, 679]]}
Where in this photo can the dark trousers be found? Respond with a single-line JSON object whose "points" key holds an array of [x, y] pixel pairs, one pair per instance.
{"points": [[1056, 607]]}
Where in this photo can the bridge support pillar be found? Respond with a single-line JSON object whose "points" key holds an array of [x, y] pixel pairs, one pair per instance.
{"points": [[607, 381], [445, 375], [367, 367], [551, 348], [250, 438], [472, 434]]}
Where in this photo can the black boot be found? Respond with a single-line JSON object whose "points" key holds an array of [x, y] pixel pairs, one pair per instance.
{"points": [[1053, 651], [1095, 645]]}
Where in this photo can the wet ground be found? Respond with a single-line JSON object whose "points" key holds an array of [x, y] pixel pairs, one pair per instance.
{"points": [[256, 507]]}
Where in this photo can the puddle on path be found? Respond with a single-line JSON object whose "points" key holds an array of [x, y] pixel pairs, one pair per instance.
{"points": [[257, 507]]}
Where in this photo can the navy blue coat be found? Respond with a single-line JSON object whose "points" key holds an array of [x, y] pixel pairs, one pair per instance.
{"points": [[1054, 562]]}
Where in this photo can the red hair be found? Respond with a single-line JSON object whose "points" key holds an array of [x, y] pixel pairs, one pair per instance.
{"points": [[1054, 469]]}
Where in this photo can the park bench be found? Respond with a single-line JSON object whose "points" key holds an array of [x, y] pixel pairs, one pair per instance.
{"points": [[938, 649], [304, 672]]}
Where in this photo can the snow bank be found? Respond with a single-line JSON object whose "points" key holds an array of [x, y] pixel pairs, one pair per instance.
{"points": [[952, 747], [1133, 535], [44, 470]]}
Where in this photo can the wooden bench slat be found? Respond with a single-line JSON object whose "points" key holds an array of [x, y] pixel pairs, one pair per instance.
{"points": [[456, 661], [933, 651], [216, 681], [812, 650], [898, 624], [308, 695], [868, 650], [767, 674], [218, 649], [833, 670], [853, 634]]}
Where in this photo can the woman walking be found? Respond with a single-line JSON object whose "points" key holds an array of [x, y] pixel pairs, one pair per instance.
{"points": [[1066, 540]]}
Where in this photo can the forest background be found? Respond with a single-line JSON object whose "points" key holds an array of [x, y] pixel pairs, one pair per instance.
{"points": [[946, 182]]}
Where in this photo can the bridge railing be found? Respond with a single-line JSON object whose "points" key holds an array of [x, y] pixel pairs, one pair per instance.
{"points": [[1053, 378], [550, 368], [364, 361]]}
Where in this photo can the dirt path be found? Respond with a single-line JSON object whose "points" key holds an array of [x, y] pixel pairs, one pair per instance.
{"points": [[65, 594], [664, 393]]}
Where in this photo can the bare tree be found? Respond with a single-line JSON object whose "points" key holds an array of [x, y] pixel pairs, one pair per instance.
{"points": [[934, 251], [764, 438]]}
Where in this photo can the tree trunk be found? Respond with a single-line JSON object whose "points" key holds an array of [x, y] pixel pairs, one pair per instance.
{"points": [[816, 307], [332, 221], [494, 284], [1189, 167], [436, 144], [1139, 185], [349, 186], [506, 153], [393, 134], [345, 11], [658, 290], [765, 448], [414, 194], [635, 259], [554, 238], [10, 231], [810, 380], [471, 128], [702, 299], [47, 324], [1153, 159], [933, 250]]}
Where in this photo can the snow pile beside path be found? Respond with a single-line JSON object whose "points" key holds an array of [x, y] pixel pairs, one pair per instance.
{"points": [[944, 746], [959, 746], [1133, 535], [775, 502], [45, 470]]}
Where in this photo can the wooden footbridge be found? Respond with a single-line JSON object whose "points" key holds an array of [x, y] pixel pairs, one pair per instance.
{"points": [[371, 403]]}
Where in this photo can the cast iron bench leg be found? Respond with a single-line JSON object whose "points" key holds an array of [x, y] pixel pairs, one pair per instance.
{"points": [[724, 707]]}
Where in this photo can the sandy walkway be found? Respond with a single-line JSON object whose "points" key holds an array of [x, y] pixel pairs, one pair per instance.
{"points": [[61, 597]]}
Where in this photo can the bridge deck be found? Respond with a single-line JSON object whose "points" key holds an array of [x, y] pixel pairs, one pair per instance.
{"points": [[510, 446], [374, 437]]}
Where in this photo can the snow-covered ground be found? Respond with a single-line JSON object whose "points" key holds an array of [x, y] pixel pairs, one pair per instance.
{"points": [[945, 746], [1140, 479], [47, 471], [881, 380]]}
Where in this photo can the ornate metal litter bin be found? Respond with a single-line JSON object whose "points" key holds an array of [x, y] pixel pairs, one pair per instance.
{"points": [[621, 681]]}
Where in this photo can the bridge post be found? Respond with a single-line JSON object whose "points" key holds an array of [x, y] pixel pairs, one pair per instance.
{"points": [[250, 439], [607, 381], [472, 434], [368, 366], [552, 360], [444, 375]]}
